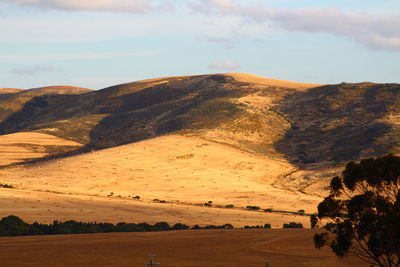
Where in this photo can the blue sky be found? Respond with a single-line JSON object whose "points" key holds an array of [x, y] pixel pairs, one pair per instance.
{"points": [[99, 43]]}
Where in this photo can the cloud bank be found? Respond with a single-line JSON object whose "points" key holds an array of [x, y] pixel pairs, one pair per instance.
{"points": [[127, 6], [377, 32]]}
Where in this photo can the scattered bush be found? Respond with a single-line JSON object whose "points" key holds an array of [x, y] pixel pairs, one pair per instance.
{"points": [[136, 197], [268, 210], [292, 225], [159, 201], [230, 206], [253, 208], [6, 186], [208, 204]]}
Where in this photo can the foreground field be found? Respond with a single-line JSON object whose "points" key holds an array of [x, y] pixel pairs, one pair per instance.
{"points": [[202, 248]]}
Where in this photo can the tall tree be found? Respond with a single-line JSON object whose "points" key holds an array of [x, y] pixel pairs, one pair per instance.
{"points": [[364, 212]]}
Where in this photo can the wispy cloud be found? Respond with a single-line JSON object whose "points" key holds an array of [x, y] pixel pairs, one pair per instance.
{"points": [[73, 56], [378, 32], [226, 64], [31, 70], [127, 6]]}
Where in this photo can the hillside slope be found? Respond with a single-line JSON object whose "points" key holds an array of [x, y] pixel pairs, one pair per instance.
{"points": [[228, 138]]}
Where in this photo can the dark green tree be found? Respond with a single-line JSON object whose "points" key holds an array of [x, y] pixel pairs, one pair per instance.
{"points": [[364, 209]]}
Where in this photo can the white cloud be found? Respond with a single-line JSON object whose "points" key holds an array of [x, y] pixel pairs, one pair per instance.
{"points": [[226, 64], [31, 70], [128, 6], [379, 32], [72, 56]]}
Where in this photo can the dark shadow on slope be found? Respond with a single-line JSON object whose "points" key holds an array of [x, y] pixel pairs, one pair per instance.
{"points": [[335, 124], [166, 108], [130, 117]]}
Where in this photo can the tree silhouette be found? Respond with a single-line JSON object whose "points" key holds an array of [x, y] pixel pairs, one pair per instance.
{"points": [[364, 209]]}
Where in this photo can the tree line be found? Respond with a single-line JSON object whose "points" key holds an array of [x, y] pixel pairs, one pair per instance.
{"points": [[15, 226]]}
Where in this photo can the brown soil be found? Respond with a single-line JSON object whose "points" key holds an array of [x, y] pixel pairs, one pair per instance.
{"points": [[202, 248]]}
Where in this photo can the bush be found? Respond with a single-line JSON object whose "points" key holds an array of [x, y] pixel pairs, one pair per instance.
{"points": [[267, 226], [253, 207], [230, 206], [267, 210], [292, 225], [6, 186]]}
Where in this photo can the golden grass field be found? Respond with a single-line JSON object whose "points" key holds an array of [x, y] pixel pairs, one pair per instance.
{"points": [[184, 171], [23, 146]]}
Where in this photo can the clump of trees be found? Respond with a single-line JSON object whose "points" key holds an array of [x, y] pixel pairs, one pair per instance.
{"points": [[364, 212], [266, 226], [15, 226], [225, 226]]}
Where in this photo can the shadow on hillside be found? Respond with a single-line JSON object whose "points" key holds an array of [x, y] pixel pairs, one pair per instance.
{"points": [[163, 109], [129, 117], [334, 124]]}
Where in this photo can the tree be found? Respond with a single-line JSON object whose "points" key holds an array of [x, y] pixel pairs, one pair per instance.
{"points": [[364, 209]]}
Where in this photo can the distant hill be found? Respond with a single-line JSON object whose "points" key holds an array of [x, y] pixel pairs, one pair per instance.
{"points": [[59, 90], [307, 124], [10, 90]]}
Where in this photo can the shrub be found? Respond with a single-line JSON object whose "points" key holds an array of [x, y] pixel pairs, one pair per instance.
{"points": [[6, 186], [253, 207], [230, 206], [267, 226], [292, 225]]}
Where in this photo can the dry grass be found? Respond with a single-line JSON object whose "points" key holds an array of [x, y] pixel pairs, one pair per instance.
{"points": [[159, 168], [19, 147]]}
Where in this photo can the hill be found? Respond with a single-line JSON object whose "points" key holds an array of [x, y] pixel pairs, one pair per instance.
{"points": [[59, 90], [10, 90], [227, 138]]}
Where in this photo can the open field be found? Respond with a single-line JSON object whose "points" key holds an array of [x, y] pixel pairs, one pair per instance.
{"points": [[46, 206], [186, 172], [195, 248]]}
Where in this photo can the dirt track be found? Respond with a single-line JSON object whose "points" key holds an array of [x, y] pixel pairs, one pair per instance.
{"points": [[205, 248]]}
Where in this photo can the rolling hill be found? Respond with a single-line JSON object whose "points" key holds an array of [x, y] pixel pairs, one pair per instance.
{"points": [[229, 138]]}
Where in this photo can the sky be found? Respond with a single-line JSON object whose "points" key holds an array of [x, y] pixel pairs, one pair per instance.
{"points": [[100, 43]]}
